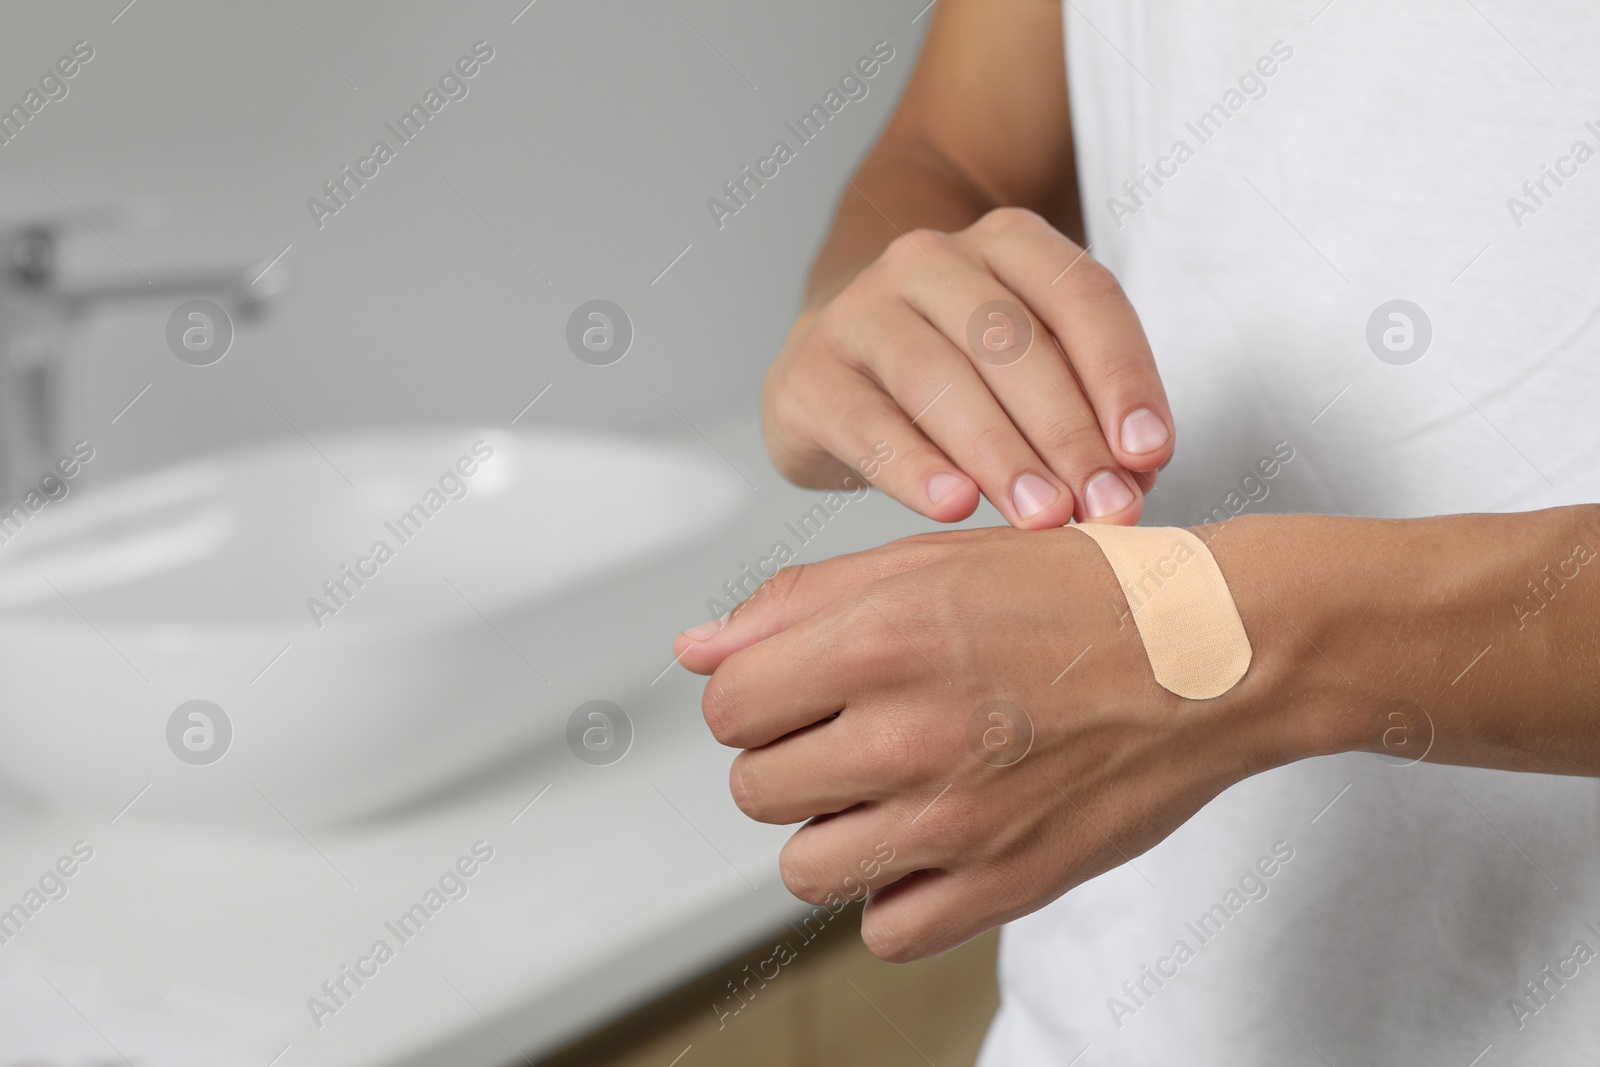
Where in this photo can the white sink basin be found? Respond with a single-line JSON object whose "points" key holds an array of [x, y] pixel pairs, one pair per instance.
{"points": [[457, 649]]}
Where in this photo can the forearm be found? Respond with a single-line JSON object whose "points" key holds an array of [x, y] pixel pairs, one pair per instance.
{"points": [[1464, 639], [984, 123], [902, 186]]}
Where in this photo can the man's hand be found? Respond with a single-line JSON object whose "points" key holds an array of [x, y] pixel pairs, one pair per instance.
{"points": [[999, 359], [968, 702], [964, 203], [976, 705]]}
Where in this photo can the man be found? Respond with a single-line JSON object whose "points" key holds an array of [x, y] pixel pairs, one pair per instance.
{"points": [[1361, 238]]}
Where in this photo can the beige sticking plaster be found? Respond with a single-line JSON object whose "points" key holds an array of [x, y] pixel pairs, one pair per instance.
{"points": [[1185, 615]]}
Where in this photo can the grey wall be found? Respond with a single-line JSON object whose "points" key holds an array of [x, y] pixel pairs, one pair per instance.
{"points": [[591, 142]]}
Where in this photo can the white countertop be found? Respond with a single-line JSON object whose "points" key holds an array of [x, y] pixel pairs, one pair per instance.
{"points": [[180, 947]]}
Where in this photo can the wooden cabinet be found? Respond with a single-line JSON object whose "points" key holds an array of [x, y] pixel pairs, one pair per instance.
{"points": [[824, 1002]]}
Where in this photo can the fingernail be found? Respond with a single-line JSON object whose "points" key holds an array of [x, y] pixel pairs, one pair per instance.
{"points": [[704, 632], [1032, 494], [1105, 494], [1143, 431], [943, 484]]}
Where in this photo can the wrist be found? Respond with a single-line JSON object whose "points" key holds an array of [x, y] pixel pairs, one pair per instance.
{"points": [[1290, 579], [1440, 638]]}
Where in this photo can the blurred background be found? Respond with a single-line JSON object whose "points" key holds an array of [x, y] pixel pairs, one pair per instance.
{"points": [[242, 749], [577, 167]]}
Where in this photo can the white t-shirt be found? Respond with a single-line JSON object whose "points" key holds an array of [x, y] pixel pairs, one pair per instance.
{"points": [[1345, 909]]}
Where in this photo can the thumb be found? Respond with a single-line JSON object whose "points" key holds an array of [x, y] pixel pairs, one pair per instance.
{"points": [[796, 593], [788, 597]]}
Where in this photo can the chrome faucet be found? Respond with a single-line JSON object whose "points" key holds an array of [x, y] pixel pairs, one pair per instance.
{"points": [[43, 385]]}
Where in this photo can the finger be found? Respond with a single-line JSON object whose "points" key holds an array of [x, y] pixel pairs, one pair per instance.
{"points": [[795, 593], [890, 451], [916, 906], [807, 673], [865, 849], [1107, 492], [930, 912], [1014, 356], [925, 373], [865, 753], [955, 895], [790, 595], [1084, 307]]}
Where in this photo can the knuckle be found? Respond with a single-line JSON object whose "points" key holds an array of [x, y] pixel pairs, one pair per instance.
{"points": [[1126, 375], [1073, 435], [782, 586], [801, 874], [743, 789], [890, 942], [719, 705], [1004, 221], [794, 461], [779, 406], [1096, 282], [993, 442], [785, 419], [913, 248], [848, 326], [922, 238], [838, 327]]}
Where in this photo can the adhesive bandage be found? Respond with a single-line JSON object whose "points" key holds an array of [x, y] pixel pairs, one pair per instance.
{"points": [[1186, 617]]}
